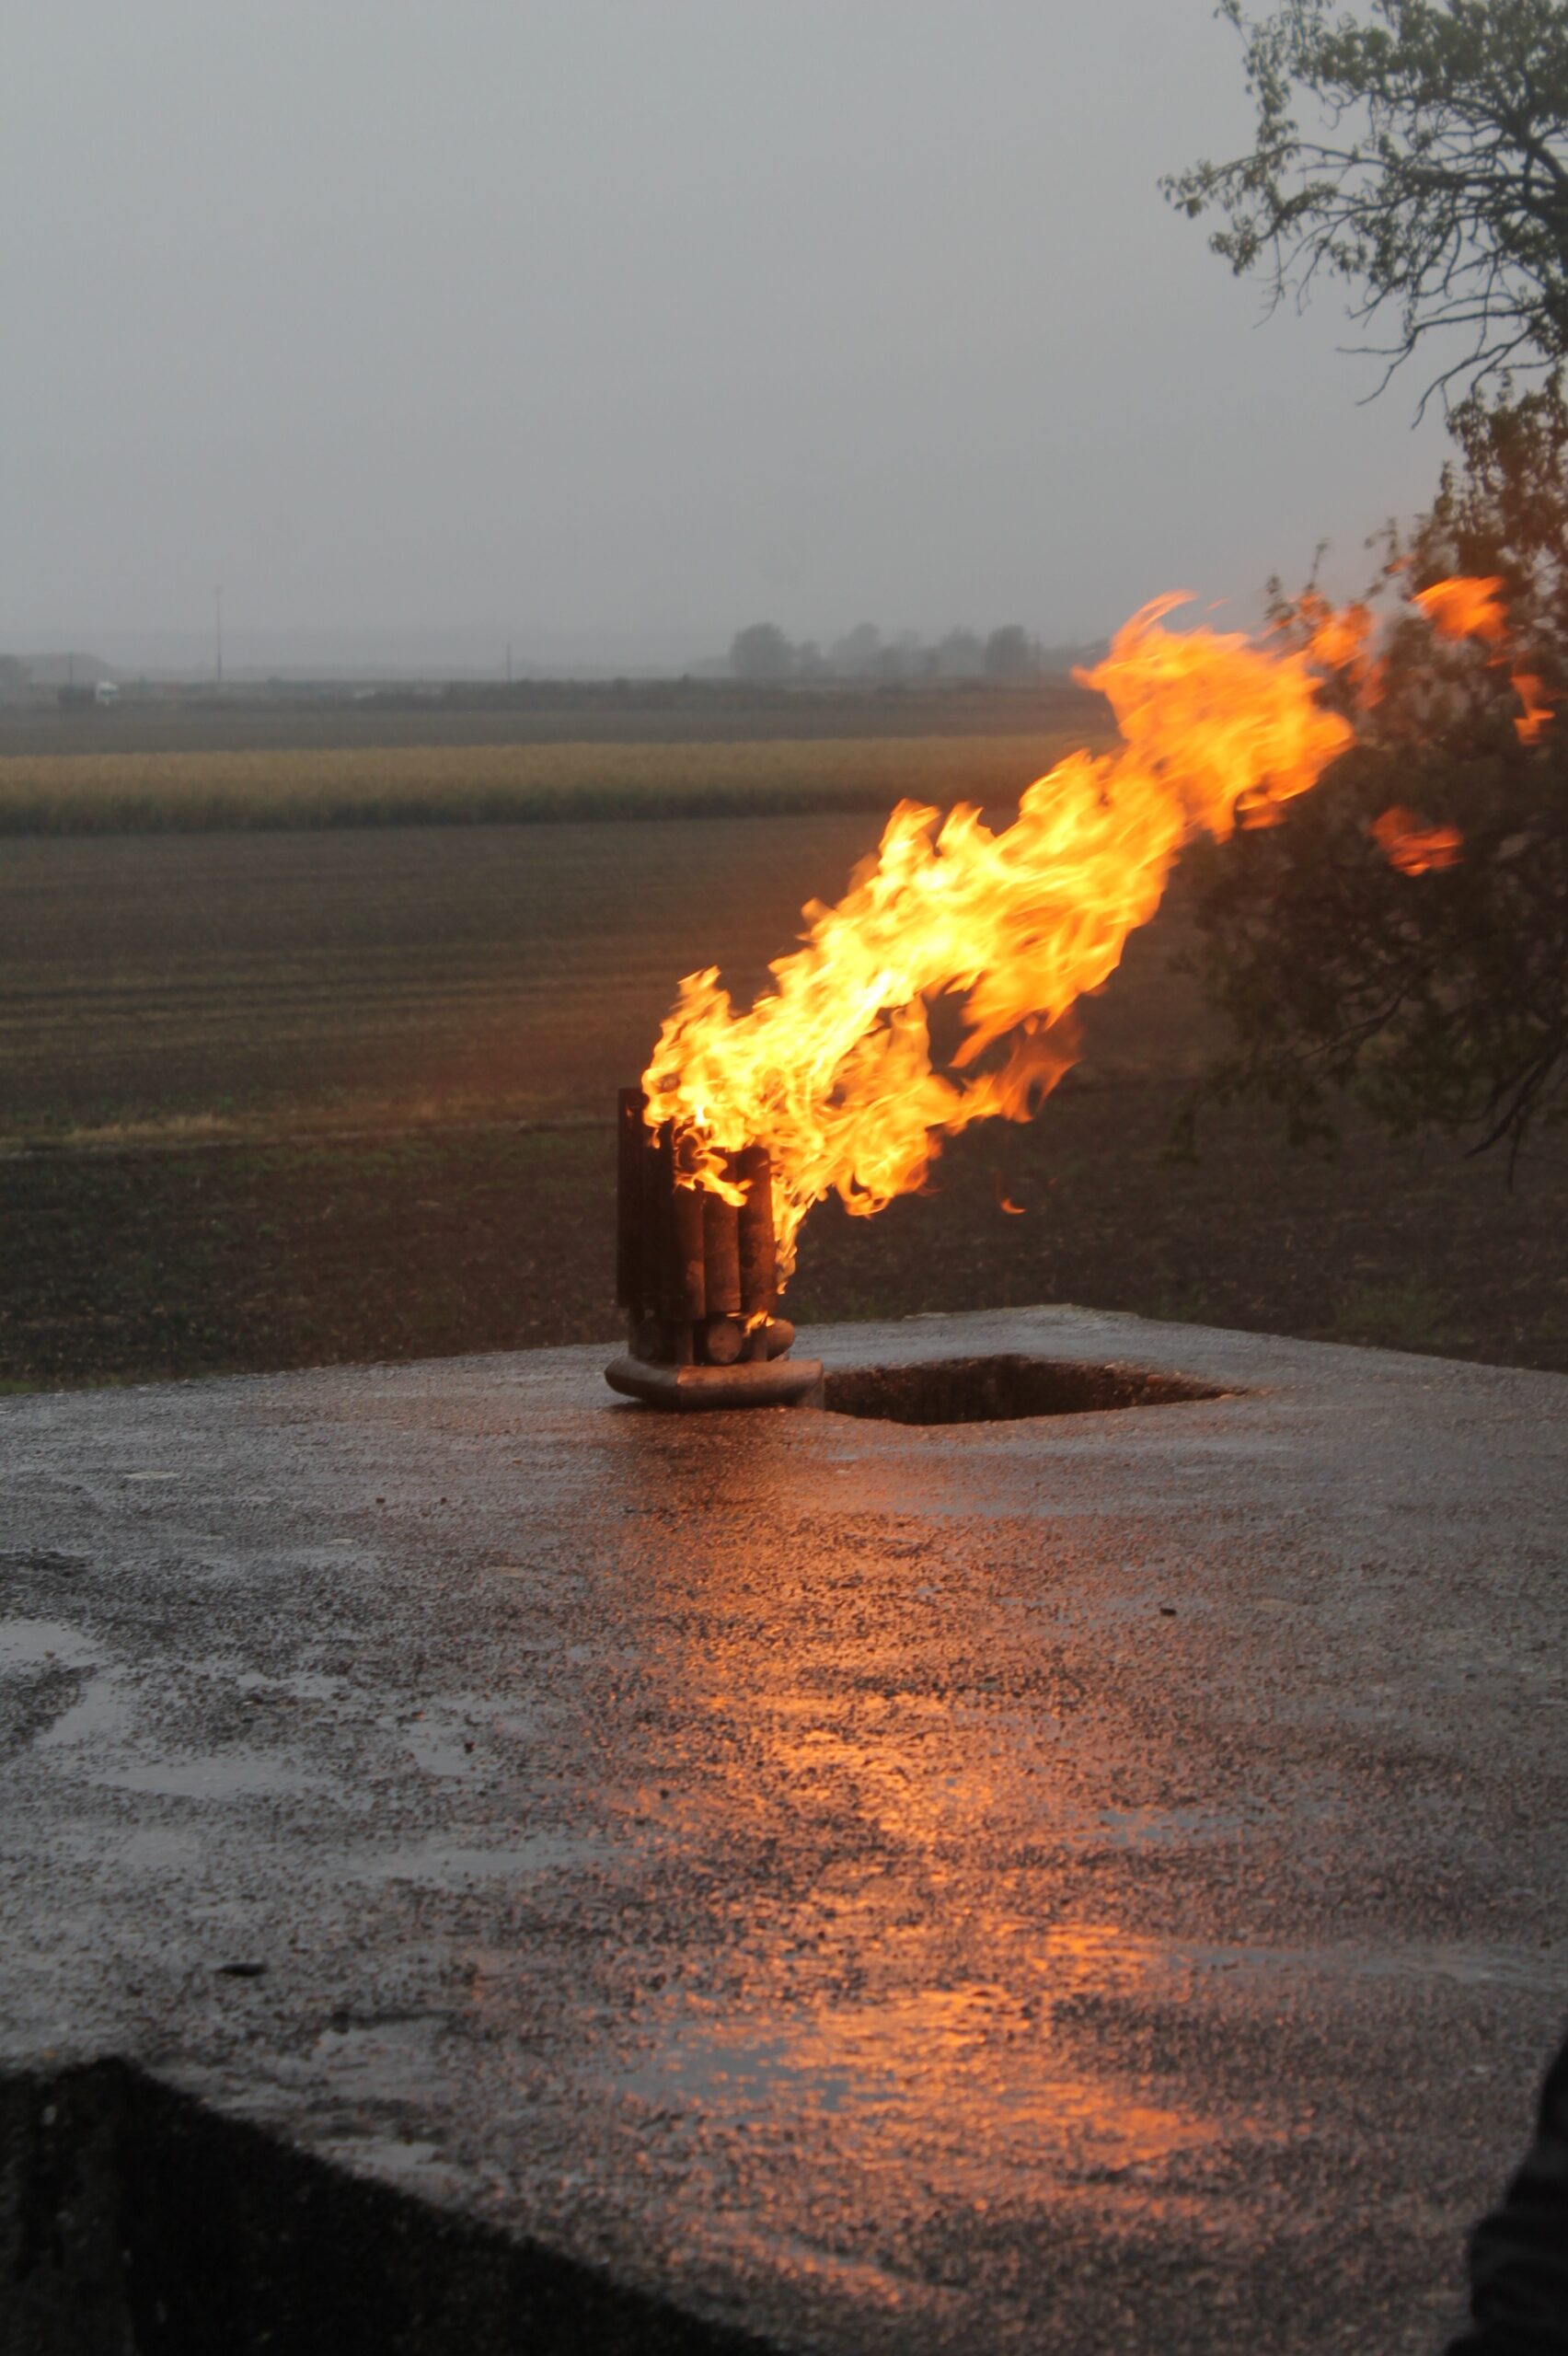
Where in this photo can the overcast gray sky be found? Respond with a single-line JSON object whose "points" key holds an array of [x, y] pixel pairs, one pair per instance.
{"points": [[618, 323]]}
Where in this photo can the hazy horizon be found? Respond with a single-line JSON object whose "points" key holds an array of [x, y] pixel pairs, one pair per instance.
{"points": [[615, 330], [477, 652]]}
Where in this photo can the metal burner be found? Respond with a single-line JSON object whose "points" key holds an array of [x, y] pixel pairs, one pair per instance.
{"points": [[697, 1278]]}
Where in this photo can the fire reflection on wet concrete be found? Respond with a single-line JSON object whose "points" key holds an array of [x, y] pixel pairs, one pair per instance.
{"points": [[893, 1988], [910, 1889]]}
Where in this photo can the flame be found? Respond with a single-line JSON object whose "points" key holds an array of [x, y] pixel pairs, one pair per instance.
{"points": [[1342, 641], [1465, 607], [832, 1069], [1536, 714], [1411, 846]]}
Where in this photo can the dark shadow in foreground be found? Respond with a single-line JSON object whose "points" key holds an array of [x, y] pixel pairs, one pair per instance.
{"points": [[1519, 2254], [133, 2222]]}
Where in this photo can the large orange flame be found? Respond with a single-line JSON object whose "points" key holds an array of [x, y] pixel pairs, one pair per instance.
{"points": [[832, 1068]]}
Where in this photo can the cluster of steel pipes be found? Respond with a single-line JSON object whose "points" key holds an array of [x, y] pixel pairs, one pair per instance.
{"points": [[697, 1275]]}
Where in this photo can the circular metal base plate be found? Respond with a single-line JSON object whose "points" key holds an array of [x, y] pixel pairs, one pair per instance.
{"points": [[773, 1382]]}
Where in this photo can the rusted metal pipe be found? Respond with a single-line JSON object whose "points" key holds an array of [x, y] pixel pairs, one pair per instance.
{"points": [[757, 1251]]}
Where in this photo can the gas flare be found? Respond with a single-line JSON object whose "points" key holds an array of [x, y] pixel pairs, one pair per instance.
{"points": [[832, 1069]]}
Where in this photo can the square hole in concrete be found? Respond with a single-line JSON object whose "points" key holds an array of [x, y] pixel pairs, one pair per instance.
{"points": [[1001, 1390]]}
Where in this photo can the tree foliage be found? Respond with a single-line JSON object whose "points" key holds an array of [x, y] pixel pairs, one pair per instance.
{"points": [[1432, 178], [762, 654], [1008, 654], [1439, 997]]}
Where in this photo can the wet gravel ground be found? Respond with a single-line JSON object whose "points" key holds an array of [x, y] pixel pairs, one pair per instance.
{"points": [[1092, 1882]]}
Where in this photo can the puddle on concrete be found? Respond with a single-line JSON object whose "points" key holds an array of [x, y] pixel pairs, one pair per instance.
{"points": [[220, 1775], [101, 1712], [165, 1847], [454, 1738], [924, 2063], [443, 1865], [1112, 1962], [53, 1644], [1164, 1828], [388, 2157], [299, 1685], [441, 1750]]}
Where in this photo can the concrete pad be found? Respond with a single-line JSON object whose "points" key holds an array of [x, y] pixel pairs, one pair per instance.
{"points": [[1086, 1883]]}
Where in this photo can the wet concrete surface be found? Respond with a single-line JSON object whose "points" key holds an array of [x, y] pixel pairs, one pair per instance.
{"points": [[1086, 1883]]}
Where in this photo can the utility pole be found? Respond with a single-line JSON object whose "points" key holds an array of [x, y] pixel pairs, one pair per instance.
{"points": [[508, 662], [218, 631]]}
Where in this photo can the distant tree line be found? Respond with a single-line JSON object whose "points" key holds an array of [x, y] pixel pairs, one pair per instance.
{"points": [[763, 656]]}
